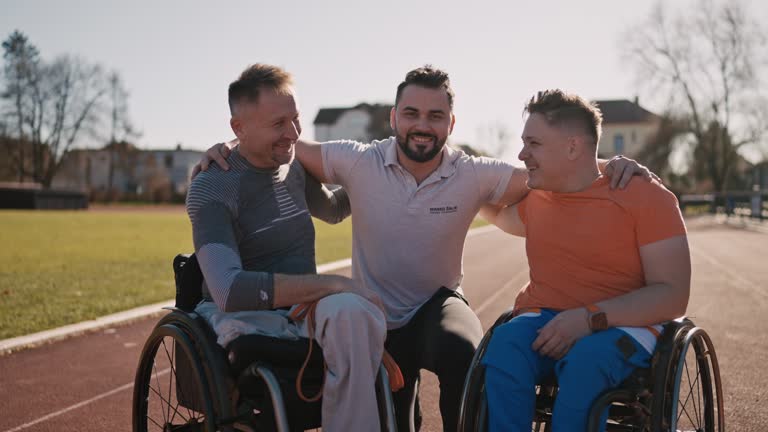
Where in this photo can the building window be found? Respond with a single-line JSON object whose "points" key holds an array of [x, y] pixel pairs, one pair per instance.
{"points": [[618, 144], [168, 160]]}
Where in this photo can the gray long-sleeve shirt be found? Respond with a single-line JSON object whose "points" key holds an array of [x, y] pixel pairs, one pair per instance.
{"points": [[249, 223]]}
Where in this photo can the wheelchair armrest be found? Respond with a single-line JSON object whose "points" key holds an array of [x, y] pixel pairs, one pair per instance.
{"points": [[189, 282]]}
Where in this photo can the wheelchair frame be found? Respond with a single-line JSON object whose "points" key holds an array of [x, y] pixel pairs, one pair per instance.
{"points": [[201, 392], [649, 400]]}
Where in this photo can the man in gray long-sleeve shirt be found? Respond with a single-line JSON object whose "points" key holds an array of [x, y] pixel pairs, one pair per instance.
{"points": [[254, 239]]}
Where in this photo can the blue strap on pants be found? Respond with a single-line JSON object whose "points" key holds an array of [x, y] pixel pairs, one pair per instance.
{"points": [[595, 363]]}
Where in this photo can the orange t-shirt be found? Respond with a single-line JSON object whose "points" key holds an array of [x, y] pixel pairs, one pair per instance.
{"points": [[584, 247]]}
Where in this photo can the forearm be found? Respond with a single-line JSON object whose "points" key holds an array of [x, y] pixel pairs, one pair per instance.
{"points": [[295, 289], [602, 164], [652, 304], [329, 206]]}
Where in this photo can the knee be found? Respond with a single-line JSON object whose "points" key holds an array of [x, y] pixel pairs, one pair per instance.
{"points": [[510, 338], [351, 311]]}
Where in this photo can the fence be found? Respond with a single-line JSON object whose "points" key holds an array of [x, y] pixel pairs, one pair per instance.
{"points": [[751, 204], [30, 198]]}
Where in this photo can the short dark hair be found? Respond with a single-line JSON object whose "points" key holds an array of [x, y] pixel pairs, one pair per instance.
{"points": [[254, 78], [429, 77], [561, 108]]}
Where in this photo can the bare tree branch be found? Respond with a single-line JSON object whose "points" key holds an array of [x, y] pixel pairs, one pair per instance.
{"points": [[709, 59]]}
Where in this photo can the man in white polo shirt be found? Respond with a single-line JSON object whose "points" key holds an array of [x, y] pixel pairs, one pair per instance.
{"points": [[413, 200]]}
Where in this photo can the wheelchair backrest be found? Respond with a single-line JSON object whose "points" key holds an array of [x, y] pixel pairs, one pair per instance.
{"points": [[189, 281]]}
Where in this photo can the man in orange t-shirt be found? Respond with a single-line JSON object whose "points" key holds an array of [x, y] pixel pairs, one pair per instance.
{"points": [[608, 266]]}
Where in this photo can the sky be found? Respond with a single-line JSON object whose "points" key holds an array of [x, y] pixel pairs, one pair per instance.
{"points": [[177, 58]]}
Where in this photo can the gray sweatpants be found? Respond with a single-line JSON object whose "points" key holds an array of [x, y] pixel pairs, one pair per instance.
{"points": [[350, 329]]}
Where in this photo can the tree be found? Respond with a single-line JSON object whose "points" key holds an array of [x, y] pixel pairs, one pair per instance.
{"points": [[22, 62], [657, 150], [706, 62], [121, 129], [53, 105], [70, 104]]}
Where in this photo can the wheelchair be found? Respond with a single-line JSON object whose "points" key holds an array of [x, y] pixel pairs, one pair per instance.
{"points": [[680, 391], [186, 382]]}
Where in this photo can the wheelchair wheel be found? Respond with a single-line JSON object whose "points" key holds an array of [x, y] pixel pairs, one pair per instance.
{"points": [[692, 396], [473, 410], [171, 390]]}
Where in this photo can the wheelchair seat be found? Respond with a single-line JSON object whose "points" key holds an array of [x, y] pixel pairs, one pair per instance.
{"points": [[281, 353]]}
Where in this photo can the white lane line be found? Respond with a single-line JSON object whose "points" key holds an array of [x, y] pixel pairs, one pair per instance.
{"points": [[336, 265], [28, 341], [78, 405], [70, 408], [492, 299], [482, 230]]}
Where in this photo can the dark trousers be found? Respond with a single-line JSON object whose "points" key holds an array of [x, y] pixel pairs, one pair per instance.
{"points": [[441, 338]]}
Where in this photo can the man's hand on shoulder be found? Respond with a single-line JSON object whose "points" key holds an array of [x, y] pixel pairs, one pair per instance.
{"points": [[217, 153], [621, 169]]}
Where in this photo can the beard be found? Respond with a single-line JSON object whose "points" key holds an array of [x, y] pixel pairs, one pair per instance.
{"points": [[420, 153]]}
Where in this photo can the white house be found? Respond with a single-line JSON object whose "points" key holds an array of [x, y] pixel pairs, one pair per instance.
{"points": [[363, 122], [626, 127], [151, 174]]}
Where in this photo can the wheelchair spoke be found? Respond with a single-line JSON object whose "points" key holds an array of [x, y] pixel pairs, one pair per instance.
{"points": [[694, 411], [168, 404], [169, 408], [698, 391], [170, 358], [170, 384], [178, 387], [156, 423], [690, 391], [157, 380], [175, 411]]}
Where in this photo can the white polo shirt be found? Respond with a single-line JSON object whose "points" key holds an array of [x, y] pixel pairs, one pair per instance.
{"points": [[408, 239]]}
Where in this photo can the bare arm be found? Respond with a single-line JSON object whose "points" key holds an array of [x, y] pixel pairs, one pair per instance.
{"points": [[311, 157], [517, 188], [619, 169], [296, 289], [506, 218], [667, 268]]}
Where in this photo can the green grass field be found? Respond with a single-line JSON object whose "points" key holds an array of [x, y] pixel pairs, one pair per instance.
{"points": [[63, 267], [59, 268]]}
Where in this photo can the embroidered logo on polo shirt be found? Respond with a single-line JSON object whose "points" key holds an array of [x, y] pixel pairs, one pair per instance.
{"points": [[443, 210]]}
